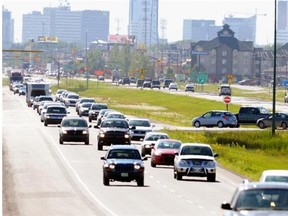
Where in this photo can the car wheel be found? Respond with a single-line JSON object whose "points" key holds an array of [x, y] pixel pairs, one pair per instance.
{"points": [[261, 125], [178, 176], [143, 153], [284, 125], [140, 181], [105, 180], [90, 120], [80, 115], [45, 124], [100, 147], [197, 124], [211, 177], [174, 174], [87, 142], [153, 164], [60, 141], [220, 124], [41, 120]]}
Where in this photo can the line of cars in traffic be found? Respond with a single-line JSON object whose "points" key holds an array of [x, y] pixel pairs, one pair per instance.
{"points": [[126, 162]]}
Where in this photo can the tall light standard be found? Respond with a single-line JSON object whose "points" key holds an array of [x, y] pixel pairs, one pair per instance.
{"points": [[86, 62], [274, 71]]}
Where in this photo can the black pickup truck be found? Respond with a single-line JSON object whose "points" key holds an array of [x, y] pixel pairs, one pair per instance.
{"points": [[250, 114]]}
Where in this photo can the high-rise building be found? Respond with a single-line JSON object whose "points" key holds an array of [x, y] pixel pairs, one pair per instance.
{"points": [[143, 21], [196, 30], [244, 28], [69, 26], [282, 22], [7, 28]]}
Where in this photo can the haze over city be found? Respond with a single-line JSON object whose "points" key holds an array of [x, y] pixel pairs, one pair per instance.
{"points": [[172, 11]]}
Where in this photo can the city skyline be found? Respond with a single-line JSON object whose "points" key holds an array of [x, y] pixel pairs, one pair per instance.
{"points": [[174, 12]]}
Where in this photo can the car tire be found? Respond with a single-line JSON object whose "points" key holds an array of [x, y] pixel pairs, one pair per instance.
{"points": [[197, 124], [99, 147], [220, 124], [45, 124], [178, 176], [105, 180], [153, 164], [87, 142], [261, 125], [143, 153], [60, 141], [140, 181], [284, 125], [211, 177], [90, 120]]}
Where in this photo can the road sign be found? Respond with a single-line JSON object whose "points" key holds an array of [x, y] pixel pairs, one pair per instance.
{"points": [[227, 99]]}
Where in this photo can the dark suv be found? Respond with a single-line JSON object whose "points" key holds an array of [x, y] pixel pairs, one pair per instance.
{"points": [[113, 131], [123, 163], [166, 83]]}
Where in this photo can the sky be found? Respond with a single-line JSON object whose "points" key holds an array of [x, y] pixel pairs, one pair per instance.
{"points": [[172, 11]]}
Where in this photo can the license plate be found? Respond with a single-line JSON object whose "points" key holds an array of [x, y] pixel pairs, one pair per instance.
{"points": [[197, 170], [124, 174]]}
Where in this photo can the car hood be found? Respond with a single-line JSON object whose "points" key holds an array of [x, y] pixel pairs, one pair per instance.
{"points": [[114, 129], [256, 213], [124, 161], [201, 157], [143, 128], [75, 128], [167, 151]]}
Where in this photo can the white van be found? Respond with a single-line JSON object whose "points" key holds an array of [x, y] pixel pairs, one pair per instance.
{"points": [[225, 89]]}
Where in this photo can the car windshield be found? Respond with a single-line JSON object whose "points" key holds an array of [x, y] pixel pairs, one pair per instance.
{"points": [[263, 199], [169, 145], [112, 115], [56, 110], [74, 123], [86, 105], [155, 137], [124, 154], [196, 150], [99, 106], [114, 124], [276, 179], [73, 96], [141, 123]]}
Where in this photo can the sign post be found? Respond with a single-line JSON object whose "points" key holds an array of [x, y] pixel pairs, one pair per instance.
{"points": [[227, 100]]}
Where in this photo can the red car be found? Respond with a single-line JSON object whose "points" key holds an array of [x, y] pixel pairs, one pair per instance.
{"points": [[163, 152]]}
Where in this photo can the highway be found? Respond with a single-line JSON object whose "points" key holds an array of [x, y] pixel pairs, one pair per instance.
{"points": [[42, 177]]}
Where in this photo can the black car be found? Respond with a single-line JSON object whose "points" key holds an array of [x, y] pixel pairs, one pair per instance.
{"points": [[126, 81], [113, 131], [54, 114], [166, 83], [155, 84], [95, 109], [74, 129], [139, 83], [123, 163], [147, 84]]}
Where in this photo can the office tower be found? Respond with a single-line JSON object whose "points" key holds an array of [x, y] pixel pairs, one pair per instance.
{"points": [[196, 30], [69, 26], [244, 28], [282, 22], [143, 21], [7, 28]]}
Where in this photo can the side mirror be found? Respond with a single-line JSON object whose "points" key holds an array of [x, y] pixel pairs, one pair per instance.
{"points": [[59, 125], [90, 126], [96, 126], [226, 206], [144, 158], [216, 155], [102, 158]]}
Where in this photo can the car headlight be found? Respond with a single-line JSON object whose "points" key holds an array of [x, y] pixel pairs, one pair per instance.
{"points": [[147, 146], [157, 153], [183, 163], [102, 134], [111, 166], [210, 163], [48, 116], [137, 166], [85, 132], [127, 136], [64, 131]]}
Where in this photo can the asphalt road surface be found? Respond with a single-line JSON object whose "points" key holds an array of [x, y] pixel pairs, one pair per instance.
{"points": [[42, 177]]}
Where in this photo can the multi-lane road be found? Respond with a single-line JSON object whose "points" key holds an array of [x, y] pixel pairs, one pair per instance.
{"points": [[42, 177]]}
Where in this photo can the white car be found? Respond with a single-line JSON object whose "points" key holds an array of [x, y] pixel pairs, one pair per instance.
{"points": [[71, 99], [142, 126], [173, 86], [150, 140], [195, 159], [274, 176]]}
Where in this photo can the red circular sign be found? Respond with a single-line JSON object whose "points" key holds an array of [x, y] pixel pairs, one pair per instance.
{"points": [[227, 99]]}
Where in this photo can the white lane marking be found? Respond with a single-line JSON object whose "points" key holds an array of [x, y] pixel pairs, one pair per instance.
{"points": [[77, 176]]}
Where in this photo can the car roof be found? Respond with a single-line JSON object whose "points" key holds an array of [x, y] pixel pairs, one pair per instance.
{"points": [[196, 144], [156, 132], [74, 117], [259, 185], [115, 119], [275, 172], [119, 146]]}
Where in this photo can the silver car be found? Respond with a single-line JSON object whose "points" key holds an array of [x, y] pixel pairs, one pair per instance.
{"points": [[217, 118], [195, 159]]}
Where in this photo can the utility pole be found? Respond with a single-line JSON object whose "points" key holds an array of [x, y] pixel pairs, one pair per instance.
{"points": [[86, 63]]}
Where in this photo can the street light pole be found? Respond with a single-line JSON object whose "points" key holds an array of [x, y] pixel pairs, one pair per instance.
{"points": [[86, 59], [274, 72]]}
